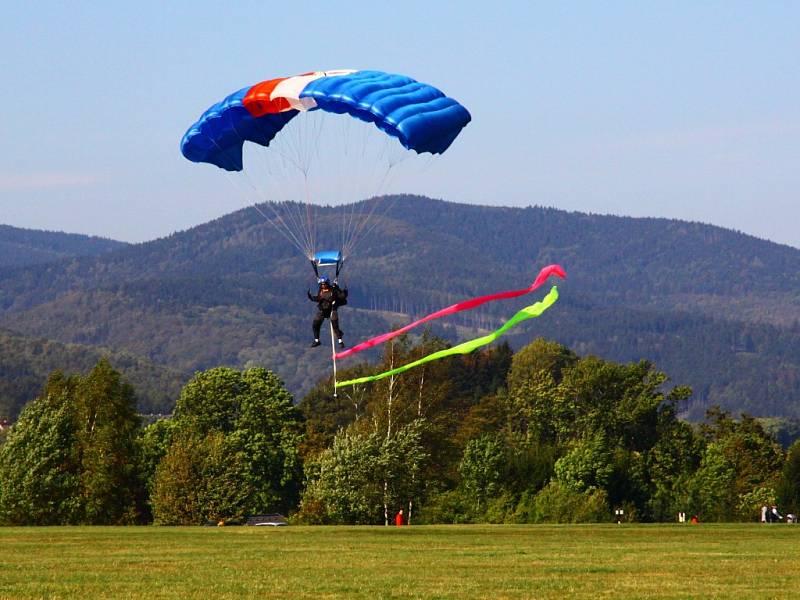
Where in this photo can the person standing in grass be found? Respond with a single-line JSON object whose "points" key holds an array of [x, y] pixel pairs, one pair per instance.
{"points": [[398, 518], [776, 516]]}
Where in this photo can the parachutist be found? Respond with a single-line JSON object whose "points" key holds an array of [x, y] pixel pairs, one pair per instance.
{"points": [[329, 297], [420, 117]]}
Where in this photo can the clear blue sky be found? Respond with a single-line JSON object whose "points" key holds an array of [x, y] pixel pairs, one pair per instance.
{"points": [[676, 109]]}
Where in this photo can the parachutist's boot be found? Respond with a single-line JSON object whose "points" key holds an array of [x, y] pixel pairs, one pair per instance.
{"points": [[341, 343], [315, 343]]}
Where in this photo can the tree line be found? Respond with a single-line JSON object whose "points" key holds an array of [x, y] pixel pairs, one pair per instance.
{"points": [[537, 436]]}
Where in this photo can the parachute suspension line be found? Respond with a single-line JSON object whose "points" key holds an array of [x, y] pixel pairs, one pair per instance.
{"points": [[358, 214], [362, 156], [360, 152], [338, 133], [391, 154], [319, 125], [388, 209], [277, 170], [311, 223], [295, 232], [292, 207], [362, 231], [300, 150], [333, 357], [316, 126], [310, 143], [287, 231], [345, 157], [342, 158], [357, 232], [389, 151]]}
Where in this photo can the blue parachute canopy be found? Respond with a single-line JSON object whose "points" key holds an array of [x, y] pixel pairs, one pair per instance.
{"points": [[420, 116]]}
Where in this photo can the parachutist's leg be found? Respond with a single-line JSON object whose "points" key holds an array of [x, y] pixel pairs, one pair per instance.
{"points": [[317, 325], [335, 323]]}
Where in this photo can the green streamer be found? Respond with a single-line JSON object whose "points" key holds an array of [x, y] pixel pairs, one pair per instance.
{"points": [[529, 312]]}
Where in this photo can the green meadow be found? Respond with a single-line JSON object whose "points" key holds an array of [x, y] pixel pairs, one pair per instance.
{"points": [[477, 561]]}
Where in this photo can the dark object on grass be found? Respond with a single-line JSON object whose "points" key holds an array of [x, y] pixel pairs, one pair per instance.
{"points": [[275, 520], [773, 516]]}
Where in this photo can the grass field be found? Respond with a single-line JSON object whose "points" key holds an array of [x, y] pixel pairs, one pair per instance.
{"points": [[541, 561]]}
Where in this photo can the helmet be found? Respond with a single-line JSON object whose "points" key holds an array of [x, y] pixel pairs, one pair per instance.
{"points": [[324, 279]]}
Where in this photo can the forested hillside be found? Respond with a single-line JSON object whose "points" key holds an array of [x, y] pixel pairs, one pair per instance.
{"points": [[29, 247], [25, 364], [717, 309]]}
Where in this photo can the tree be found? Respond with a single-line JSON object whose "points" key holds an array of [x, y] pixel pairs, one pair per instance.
{"points": [[621, 400], [403, 459], [199, 480], [561, 399], [107, 428], [39, 467], [176, 486], [535, 374], [235, 450], [482, 469], [557, 503], [604, 421], [588, 465], [325, 414], [362, 473], [530, 465], [345, 484], [154, 441], [533, 410], [788, 490], [72, 456], [539, 356], [671, 464], [740, 457], [488, 416]]}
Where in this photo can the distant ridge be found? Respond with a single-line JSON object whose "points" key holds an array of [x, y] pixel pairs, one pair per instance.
{"points": [[716, 309], [25, 364], [24, 247]]}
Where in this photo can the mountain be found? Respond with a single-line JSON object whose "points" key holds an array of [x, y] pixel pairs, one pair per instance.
{"points": [[23, 247], [714, 308], [25, 364]]}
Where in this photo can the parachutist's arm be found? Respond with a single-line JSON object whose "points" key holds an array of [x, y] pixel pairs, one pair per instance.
{"points": [[310, 297]]}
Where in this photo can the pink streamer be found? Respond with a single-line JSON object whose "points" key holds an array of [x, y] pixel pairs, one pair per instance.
{"points": [[466, 305]]}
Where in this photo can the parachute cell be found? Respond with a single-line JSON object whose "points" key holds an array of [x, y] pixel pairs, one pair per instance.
{"points": [[327, 258]]}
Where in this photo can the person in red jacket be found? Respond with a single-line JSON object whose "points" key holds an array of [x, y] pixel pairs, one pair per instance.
{"points": [[398, 518]]}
